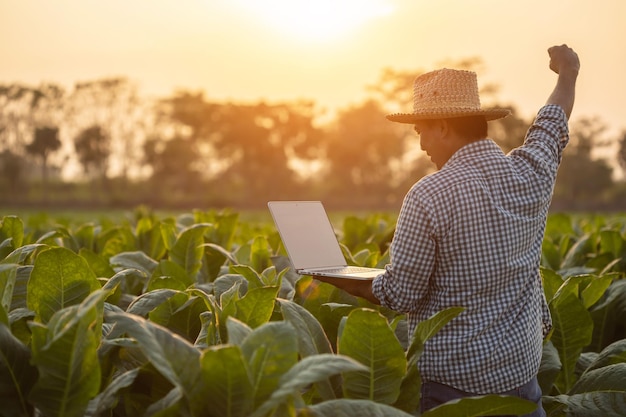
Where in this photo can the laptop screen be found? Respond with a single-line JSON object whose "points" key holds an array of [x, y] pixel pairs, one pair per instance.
{"points": [[307, 234]]}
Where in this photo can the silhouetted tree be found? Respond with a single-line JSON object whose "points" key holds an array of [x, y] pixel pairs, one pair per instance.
{"points": [[92, 149], [247, 150], [582, 178], [11, 167], [45, 141], [365, 155], [621, 153], [176, 175], [259, 142], [112, 102]]}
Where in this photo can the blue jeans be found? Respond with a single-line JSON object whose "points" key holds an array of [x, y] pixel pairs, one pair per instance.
{"points": [[434, 394]]}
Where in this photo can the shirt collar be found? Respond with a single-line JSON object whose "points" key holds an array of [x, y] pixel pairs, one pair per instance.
{"points": [[473, 150]]}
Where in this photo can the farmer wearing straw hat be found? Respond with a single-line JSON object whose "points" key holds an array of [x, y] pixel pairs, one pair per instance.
{"points": [[470, 235]]}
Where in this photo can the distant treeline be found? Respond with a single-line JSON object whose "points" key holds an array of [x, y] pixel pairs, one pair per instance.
{"points": [[103, 145]]}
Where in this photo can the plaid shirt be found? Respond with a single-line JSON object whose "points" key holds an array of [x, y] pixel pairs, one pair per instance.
{"points": [[470, 235]]}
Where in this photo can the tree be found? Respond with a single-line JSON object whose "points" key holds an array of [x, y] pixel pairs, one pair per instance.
{"points": [[112, 102], [621, 153], [45, 141], [248, 151], [176, 176], [582, 178], [260, 142], [92, 149], [11, 166], [366, 156]]}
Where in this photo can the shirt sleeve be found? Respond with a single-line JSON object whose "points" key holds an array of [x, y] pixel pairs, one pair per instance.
{"points": [[545, 141], [412, 253]]}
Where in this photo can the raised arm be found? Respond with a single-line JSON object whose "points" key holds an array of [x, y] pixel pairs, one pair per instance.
{"points": [[564, 61]]}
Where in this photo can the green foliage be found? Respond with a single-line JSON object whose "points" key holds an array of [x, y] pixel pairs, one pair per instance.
{"points": [[200, 315]]}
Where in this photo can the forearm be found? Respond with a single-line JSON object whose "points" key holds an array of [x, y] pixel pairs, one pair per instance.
{"points": [[563, 94], [564, 61], [356, 287]]}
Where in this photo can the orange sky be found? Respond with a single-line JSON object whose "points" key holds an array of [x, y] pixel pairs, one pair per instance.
{"points": [[324, 50]]}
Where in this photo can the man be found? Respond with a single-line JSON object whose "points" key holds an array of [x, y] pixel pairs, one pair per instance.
{"points": [[470, 235]]}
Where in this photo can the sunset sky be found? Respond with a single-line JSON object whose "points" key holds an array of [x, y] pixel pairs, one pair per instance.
{"points": [[324, 50]]}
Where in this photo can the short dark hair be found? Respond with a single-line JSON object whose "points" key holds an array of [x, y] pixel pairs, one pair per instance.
{"points": [[471, 127]]}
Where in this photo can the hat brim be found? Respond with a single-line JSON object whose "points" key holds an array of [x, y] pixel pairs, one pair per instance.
{"points": [[490, 114]]}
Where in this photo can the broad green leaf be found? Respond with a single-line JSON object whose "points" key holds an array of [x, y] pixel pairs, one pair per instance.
{"points": [[559, 224], [19, 255], [149, 238], [228, 383], [133, 260], [549, 368], [550, 255], [19, 320], [60, 278], [168, 405], [65, 354], [589, 404], [270, 351], [311, 335], [250, 274], [8, 274], [612, 354], [260, 254], [85, 236], [410, 390], [4, 317], [487, 405], [116, 240], [257, 306], [20, 289], [608, 316], [575, 257], [225, 225], [108, 398], [608, 378], [181, 315], [351, 408], [147, 302], [237, 331], [215, 256], [17, 375], [611, 241], [168, 271], [308, 371], [552, 281], [168, 233], [573, 329], [226, 283], [368, 338], [318, 297], [98, 264], [188, 250], [596, 289], [174, 357], [312, 340], [12, 232], [206, 337]]}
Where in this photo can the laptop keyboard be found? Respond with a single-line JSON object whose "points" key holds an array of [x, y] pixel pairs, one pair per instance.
{"points": [[347, 270]]}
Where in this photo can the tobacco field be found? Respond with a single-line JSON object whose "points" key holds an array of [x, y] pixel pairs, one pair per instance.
{"points": [[199, 314]]}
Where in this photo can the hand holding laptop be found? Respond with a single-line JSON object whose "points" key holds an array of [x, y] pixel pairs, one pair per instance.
{"points": [[313, 249], [359, 288]]}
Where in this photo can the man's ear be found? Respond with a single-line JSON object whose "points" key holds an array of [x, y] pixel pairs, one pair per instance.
{"points": [[443, 130]]}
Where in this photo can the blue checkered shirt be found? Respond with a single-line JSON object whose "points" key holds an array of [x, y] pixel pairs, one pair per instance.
{"points": [[470, 235]]}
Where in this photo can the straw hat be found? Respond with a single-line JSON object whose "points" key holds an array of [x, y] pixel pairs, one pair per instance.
{"points": [[446, 93]]}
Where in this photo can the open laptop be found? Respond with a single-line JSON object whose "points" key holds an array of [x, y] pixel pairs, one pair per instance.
{"points": [[311, 243]]}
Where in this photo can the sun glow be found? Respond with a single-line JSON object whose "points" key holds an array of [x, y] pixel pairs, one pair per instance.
{"points": [[316, 20]]}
